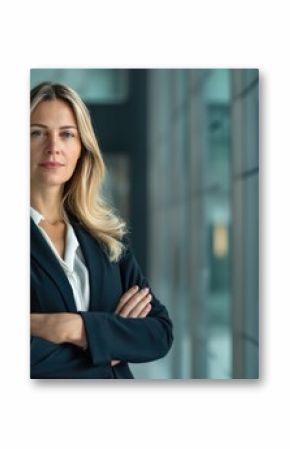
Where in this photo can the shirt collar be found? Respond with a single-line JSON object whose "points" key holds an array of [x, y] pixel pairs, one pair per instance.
{"points": [[71, 244], [36, 216]]}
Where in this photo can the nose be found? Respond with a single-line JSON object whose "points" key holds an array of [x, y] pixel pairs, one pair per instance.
{"points": [[52, 144]]}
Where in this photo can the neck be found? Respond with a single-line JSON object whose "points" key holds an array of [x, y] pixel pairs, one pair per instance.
{"points": [[48, 204]]}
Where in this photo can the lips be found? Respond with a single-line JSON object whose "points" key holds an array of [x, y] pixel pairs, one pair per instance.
{"points": [[51, 164]]}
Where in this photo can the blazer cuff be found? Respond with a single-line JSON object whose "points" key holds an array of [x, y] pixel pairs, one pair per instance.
{"points": [[97, 347]]}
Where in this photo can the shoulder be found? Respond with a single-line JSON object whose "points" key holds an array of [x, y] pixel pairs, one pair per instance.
{"points": [[127, 246]]}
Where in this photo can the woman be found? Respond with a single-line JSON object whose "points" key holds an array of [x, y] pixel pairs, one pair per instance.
{"points": [[92, 310]]}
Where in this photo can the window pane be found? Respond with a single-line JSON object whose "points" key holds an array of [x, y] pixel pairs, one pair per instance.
{"points": [[93, 85]]}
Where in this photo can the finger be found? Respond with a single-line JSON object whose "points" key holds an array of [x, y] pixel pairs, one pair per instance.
{"points": [[125, 298], [145, 311], [114, 362], [140, 306], [132, 303]]}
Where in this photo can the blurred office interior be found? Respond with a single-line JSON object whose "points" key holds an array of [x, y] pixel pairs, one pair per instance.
{"points": [[181, 147]]}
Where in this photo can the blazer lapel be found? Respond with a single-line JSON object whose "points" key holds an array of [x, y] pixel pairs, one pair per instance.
{"points": [[94, 259], [41, 251]]}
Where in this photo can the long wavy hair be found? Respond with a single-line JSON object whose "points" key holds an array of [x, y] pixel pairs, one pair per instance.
{"points": [[82, 195]]}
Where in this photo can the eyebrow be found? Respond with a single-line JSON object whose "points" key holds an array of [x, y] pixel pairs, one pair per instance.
{"points": [[61, 127]]}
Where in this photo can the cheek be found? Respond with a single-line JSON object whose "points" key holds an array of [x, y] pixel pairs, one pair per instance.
{"points": [[74, 156], [77, 151], [34, 154]]}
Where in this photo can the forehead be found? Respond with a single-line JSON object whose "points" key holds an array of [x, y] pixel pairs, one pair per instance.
{"points": [[52, 112]]}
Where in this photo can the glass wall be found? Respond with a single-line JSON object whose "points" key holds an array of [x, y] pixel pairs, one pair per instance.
{"points": [[93, 85], [217, 222], [203, 221]]}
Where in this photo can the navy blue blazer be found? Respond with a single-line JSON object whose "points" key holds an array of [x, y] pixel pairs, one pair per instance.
{"points": [[109, 336]]}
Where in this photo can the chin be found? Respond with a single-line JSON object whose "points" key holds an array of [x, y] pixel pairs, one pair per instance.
{"points": [[51, 181]]}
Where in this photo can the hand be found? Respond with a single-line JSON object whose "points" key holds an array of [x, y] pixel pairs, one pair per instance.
{"points": [[133, 304], [58, 328]]}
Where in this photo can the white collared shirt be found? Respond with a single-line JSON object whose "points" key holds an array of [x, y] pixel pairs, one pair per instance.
{"points": [[73, 263]]}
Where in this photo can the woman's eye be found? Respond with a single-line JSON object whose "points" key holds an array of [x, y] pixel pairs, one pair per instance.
{"points": [[63, 134], [36, 133], [67, 134]]}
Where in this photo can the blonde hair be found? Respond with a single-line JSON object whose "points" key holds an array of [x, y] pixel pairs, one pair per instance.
{"points": [[83, 191]]}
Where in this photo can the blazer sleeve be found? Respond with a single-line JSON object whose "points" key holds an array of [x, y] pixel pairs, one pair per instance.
{"points": [[136, 340], [51, 360]]}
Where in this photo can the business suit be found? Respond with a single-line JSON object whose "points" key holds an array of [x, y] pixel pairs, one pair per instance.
{"points": [[109, 336]]}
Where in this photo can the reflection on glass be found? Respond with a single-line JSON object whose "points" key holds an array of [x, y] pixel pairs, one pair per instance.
{"points": [[93, 85], [217, 216], [116, 188]]}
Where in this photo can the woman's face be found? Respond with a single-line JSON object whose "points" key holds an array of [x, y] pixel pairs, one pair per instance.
{"points": [[54, 138]]}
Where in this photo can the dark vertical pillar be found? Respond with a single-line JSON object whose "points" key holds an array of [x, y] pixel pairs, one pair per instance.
{"points": [[138, 157]]}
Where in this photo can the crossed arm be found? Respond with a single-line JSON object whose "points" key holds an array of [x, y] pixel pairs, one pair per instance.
{"points": [[62, 328], [112, 337], [59, 328]]}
